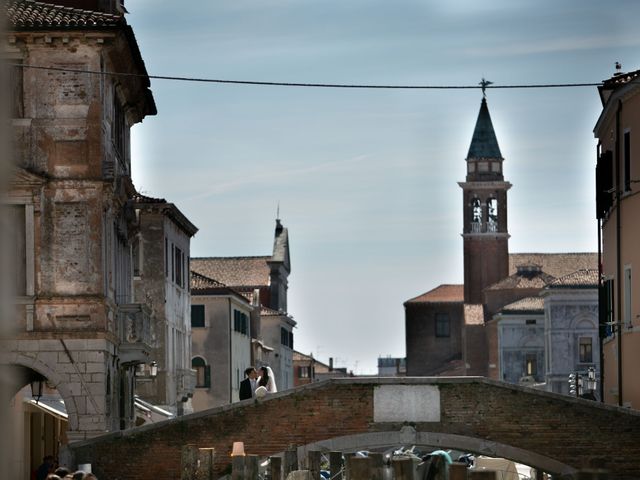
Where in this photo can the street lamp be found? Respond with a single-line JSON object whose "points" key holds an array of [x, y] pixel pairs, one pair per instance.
{"points": [[153, 369], [36, 389]]}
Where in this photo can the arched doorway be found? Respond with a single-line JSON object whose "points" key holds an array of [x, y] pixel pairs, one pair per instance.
{"points": [[37, 413]]}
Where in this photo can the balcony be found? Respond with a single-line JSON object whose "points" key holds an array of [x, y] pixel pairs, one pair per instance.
{"points": [[134, 332], [489, 227]]}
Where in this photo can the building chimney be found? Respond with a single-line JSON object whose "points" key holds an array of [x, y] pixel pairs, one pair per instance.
{"points": [[331, 364]]}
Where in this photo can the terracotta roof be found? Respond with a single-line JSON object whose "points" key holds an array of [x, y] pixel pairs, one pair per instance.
{"points": [[525, 277], [29, 14], [234, 271], [441, 294], [473, 314], [270, 312], [525, 305], [554, 264], [200, 282], [584, 278]]}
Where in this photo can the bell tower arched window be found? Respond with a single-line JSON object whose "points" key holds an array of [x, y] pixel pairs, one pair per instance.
{"points": [[492, 215], [476, 215]]}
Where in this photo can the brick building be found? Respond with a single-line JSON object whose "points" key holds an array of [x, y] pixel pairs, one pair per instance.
{"points": [[453, 329]]}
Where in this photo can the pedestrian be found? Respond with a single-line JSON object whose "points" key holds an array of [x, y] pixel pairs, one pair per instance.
{"points": [[249, 384], [267, 379], [45, 468]]}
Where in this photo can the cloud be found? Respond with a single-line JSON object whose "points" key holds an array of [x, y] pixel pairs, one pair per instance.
{"points": [[243, 181], [556, 45]]}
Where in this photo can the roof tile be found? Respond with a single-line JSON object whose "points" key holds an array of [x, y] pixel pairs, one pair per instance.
{"points": [[525, 305], [234, 271], [554, 264], [29, 14], [441, 294], [584, 278]]}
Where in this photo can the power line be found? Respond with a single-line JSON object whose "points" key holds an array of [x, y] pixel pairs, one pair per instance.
{"points": [[308, 85]]}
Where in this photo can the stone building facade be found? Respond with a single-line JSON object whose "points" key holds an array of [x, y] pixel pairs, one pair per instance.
{"points": [[160, 258], [78, 327]]}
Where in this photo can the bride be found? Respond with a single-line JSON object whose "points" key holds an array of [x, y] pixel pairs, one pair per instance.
{"points": [[267, 380]]}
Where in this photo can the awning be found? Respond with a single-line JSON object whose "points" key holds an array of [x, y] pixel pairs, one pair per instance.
{"points": [[51, 405], [151, 413]]}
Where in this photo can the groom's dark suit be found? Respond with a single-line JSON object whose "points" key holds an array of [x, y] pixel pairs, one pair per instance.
{"points": [[245, 389]]}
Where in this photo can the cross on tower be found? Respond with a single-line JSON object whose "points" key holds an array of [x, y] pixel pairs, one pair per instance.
{"points": [[484, 84]]}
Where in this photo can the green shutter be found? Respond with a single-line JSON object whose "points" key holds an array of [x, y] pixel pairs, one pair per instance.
{"points": [[207, 376]]}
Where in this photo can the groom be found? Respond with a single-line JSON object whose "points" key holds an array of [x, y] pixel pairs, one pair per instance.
{"points": [[249, 384]]}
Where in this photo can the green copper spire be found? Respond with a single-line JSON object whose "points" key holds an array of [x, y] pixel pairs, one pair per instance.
{"points": [[484, 143]]}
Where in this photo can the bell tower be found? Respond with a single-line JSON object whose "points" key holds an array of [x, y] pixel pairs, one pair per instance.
{"points": [[484, 193]]}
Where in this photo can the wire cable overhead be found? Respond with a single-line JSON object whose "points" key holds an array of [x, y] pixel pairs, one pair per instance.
{"points": [[482, 85]]}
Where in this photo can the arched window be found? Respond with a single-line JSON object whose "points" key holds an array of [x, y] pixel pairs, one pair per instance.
{"points": [[476, 215], [492, 214], [203, 372]]}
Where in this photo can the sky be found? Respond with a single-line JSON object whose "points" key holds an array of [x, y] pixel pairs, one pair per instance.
{"points": [[366, 180]]}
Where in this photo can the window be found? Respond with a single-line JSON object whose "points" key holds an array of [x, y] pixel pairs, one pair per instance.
{"points": [[476, 211], [443, 327], [627, 296], [135, 256], [286, 337], [197, 316], [304, 372], [17, 105], [627, 160], [118, 128], [530, 322], [605, 307], [240, 322], [471, 167], [178, 261], [586, 355], [203, 372], [17, 222], [166, 257], [492, 211], [531, 364]]}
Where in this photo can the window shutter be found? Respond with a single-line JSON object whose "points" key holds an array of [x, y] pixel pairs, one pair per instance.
{"points": [[207, 376]]}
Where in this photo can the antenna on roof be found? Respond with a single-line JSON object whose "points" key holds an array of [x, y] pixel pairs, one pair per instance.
{"points": [[484, 84]]}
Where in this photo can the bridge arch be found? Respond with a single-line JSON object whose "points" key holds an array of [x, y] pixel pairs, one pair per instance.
{"points": [[436, 440]]}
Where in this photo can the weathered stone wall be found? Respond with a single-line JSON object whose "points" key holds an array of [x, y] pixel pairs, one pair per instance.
{"points": [[538, 428]]}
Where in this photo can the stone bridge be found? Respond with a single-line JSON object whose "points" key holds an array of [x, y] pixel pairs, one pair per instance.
{"points": [[555, 433]]}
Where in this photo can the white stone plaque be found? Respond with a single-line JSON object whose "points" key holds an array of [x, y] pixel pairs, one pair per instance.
{"points": [[406, 403]]}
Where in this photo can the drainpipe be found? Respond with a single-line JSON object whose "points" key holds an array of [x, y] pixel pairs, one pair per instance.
{"points": [[618, 253], [230, 354]]}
